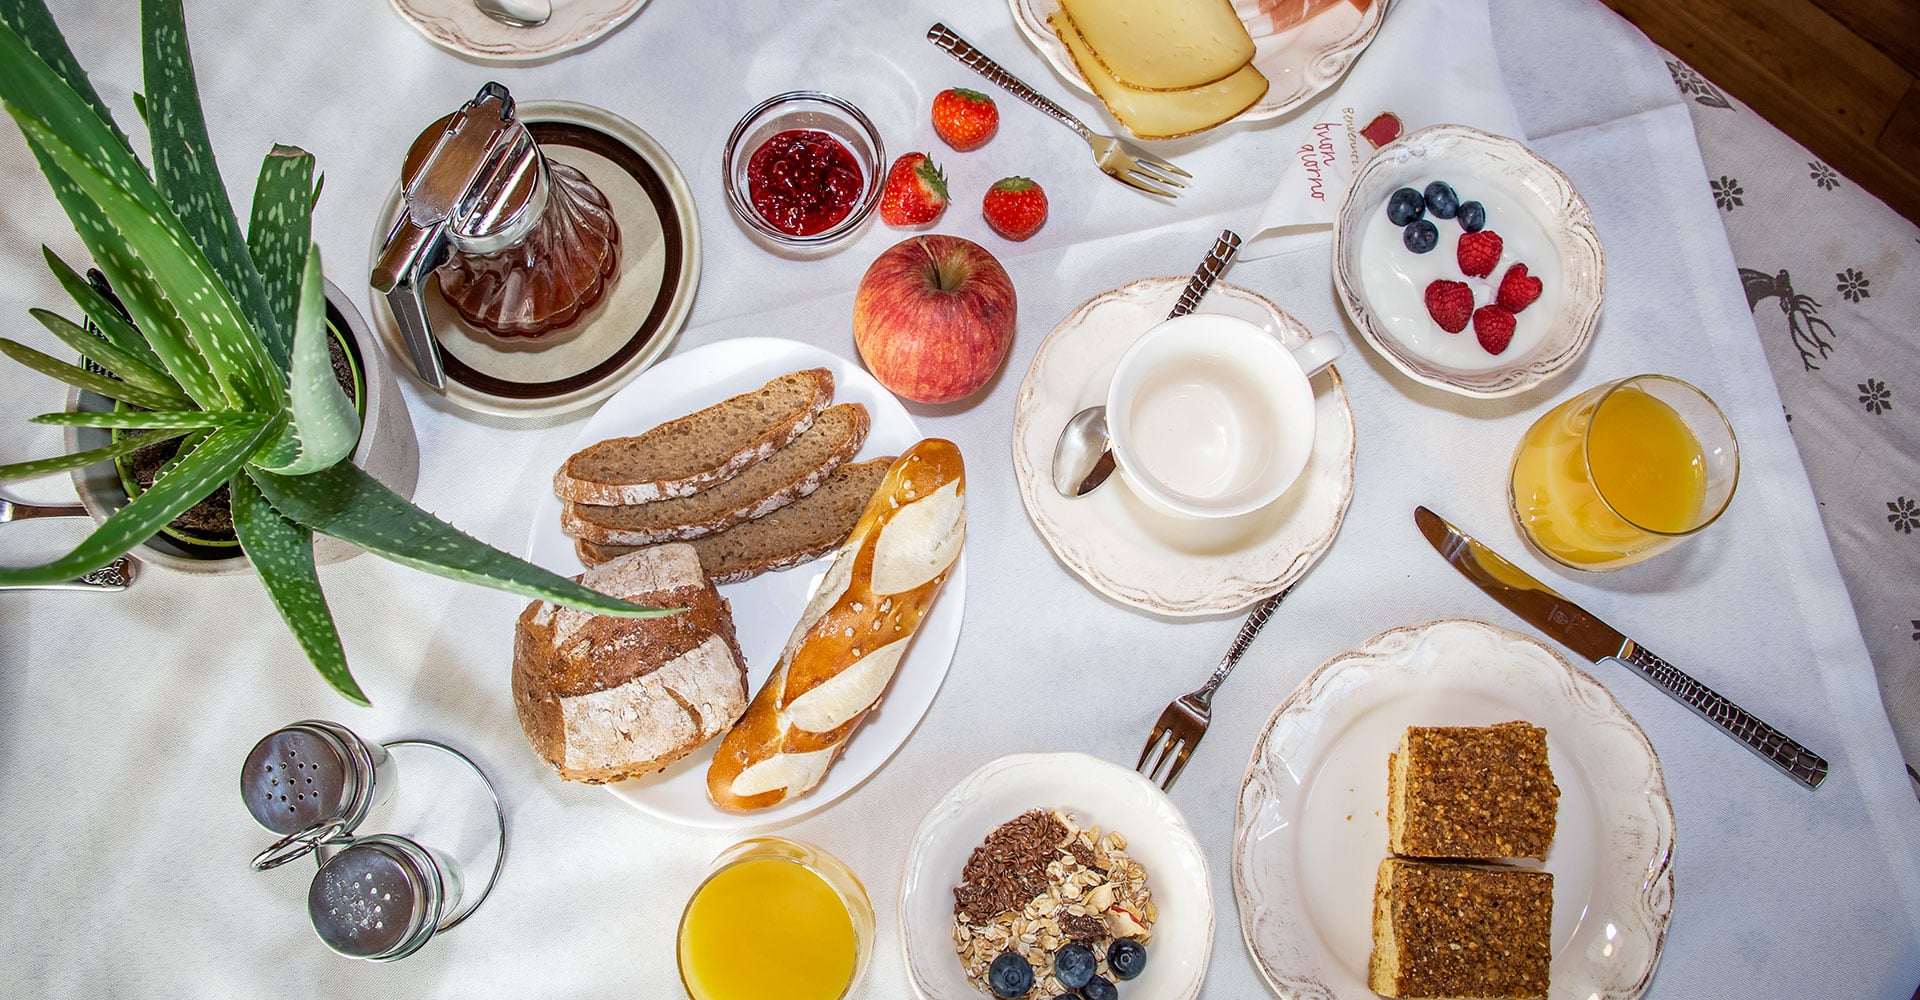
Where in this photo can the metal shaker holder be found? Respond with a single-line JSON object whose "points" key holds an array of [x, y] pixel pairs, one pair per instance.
{"points": [[376, 897]]}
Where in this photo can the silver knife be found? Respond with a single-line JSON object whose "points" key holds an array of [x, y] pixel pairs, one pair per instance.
{"points": [[1594, 639]]}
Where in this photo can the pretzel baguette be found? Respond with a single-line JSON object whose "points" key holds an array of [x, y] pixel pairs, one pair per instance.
{"points": [[849, 641]]}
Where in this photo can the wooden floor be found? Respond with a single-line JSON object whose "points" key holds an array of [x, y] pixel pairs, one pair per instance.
{"points": [[1840, 76]]}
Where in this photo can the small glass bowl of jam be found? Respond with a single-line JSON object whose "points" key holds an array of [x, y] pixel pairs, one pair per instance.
{"points": [[803, 169]]}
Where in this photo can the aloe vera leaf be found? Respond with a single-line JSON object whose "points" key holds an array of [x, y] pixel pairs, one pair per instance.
{"points": [[197, 475], [351, 505], [159, 325], [324, 426], [278, 235], [38, 467], [282, 551], [80, 378], [33, 23], [106, 319], [106, 354], [179, 270], [157, 420], [183, 165]]}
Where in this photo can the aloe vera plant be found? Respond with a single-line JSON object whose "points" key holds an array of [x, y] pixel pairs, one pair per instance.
{"points": [[226, 348]]}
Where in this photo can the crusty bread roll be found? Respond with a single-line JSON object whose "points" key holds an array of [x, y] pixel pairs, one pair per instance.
{"points": [[844, 650], [604, 698]]}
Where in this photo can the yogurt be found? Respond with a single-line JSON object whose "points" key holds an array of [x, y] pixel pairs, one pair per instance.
{"points": [[1394, 279]]}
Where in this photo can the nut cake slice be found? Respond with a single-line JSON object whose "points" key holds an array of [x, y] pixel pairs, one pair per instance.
{"points": [[1471, 792], [1451, 931]]}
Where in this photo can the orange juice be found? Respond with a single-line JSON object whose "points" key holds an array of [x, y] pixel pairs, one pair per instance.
{"points": [[768, 926], [1609, 477]]}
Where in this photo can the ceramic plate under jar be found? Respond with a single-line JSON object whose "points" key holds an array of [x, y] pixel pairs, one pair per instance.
{"points": [[1566, 257], [1311, 828], [1135, 553], [633, 324], [459, 26]]}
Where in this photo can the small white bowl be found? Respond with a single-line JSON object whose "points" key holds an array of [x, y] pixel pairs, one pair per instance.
{"points": [[1554, 331], [1093, 792]]}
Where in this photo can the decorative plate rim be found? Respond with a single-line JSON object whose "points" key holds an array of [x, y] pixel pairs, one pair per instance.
{"points": [[1222, 593], [1574, 234], [1652, 898]]}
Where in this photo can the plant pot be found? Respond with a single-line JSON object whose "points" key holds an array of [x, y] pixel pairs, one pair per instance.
{"points": [[388, 450]]}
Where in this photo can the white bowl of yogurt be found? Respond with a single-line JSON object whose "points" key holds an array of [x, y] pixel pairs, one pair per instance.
{"points": [[1542, 222]]}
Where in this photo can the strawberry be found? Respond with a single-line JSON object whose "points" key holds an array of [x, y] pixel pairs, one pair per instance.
{"points": [[1479, 252], [915, 193], [1493, 327], [1518, 290], [1450, 303], [965, 119], [1015, 207]]}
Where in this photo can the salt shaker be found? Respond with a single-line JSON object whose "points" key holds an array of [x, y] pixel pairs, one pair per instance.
{"points": [[383, 898], [313, 782]]}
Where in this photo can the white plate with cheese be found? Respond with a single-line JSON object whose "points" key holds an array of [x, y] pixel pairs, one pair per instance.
{"points": [[1298, 62], [766, 608]]}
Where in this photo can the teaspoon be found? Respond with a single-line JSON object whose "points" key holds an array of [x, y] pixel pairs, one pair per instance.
{"points": [[1083, 457], [519, 13]]}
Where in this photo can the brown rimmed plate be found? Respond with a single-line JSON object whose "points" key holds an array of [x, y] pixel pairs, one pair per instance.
{"points": [[631, 328]]}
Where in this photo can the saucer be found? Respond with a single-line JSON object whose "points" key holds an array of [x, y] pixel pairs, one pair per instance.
{"points": [[1134, 553], [629, 329], [459, 26], [1566, 255]]}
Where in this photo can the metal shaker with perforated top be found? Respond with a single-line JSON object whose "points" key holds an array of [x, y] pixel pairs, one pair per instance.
{"points": [[313, 782]]}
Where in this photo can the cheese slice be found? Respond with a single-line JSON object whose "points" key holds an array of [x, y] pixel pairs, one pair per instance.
{"points": [[1161, 114], [1163, 44]]}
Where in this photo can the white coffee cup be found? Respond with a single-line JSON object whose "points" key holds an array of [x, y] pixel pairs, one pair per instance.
{"points": [[1211, 416]]}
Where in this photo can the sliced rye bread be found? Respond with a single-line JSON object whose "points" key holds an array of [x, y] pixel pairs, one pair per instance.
{"points": [[766, 486], [686, 455], [805, 529]]}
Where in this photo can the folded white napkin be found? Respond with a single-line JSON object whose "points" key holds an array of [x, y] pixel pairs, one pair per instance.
{"points": [[1405, 81]]}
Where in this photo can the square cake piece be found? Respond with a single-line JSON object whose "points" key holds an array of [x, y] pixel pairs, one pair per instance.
{"points": [[1443, 930], [1477, 792]]}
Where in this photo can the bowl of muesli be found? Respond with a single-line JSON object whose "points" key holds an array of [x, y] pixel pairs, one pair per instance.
{"points": [[1055, 875]]}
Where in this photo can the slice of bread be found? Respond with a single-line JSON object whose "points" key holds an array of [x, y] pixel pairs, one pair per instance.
{"points": [[791, 473], [806, 529], [684, 456]]}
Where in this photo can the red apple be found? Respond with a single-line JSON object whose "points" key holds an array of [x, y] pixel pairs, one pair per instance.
{"points": [[934, 318]]}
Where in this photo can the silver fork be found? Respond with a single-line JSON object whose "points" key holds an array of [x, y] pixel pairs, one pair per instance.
{"points": [[1186, 718], [14, 510], [116, 575], [1121, 161]]}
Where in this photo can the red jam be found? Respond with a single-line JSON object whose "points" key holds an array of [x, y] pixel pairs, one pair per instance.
{"points": [[803, 181]]}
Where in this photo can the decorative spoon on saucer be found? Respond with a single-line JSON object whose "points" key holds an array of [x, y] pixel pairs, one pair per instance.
{"points": [[1083, 457], [519, 13]]}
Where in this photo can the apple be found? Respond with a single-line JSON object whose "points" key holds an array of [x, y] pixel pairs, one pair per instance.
{"points": [[934, 318]]}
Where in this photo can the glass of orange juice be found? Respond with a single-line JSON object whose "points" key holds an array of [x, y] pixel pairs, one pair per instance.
{"points": [[775, 918], [1623, 472]]}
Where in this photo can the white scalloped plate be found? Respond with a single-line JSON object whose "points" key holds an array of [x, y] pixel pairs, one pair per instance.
{"points": [[1132, 552], [1578, 276], [1094, 792], [459, 26], [1311, 830], [1298, 63]]}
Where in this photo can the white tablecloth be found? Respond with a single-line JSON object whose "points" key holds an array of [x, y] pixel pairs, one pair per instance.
{"points": [[123, 719]]}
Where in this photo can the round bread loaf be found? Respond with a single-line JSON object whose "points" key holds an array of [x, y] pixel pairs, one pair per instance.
{"points": [[603, 698]]}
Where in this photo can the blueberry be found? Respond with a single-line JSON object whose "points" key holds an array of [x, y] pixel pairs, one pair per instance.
{"points": [[1098, 988], [1074, 965], [1473, 216], [1010, 976], [1405, 205], [1421, 236], [1441, 201], [1126, 957]]}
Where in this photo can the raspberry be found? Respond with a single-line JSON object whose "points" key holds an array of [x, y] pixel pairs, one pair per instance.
{"points": [[1493, 327], [1479, 253], [1518, 290], [1450, 303]]}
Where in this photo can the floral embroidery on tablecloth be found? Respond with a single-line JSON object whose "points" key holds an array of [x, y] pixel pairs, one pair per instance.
{"points": [[1826, 177], [1726, 193], [1875, 396], [1905, 516], [1696, 86], [1851, 284], [1804, 326]]}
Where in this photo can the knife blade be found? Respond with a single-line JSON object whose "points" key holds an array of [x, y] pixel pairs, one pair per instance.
{"points": [[1579, 630]]}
